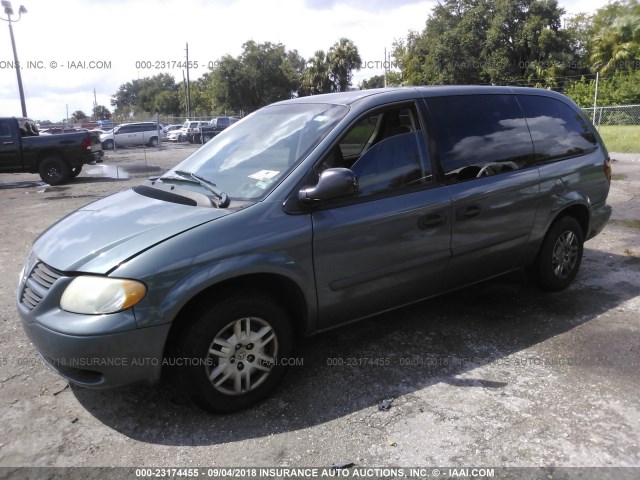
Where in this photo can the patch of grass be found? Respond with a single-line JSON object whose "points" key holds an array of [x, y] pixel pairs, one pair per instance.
{"points": [[621, 138]]}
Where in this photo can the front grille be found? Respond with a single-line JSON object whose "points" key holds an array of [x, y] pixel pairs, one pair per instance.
{"points": [[38, 284]]}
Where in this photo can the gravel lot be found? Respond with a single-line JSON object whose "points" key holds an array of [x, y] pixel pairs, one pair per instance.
{"points": [[495, 375]]}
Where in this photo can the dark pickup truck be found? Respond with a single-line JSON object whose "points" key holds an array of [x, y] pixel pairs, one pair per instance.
{"points": [[57, 158], [207, 132]]}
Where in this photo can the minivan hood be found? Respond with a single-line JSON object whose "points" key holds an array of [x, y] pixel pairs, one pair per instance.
{"points": [[105, 233]]}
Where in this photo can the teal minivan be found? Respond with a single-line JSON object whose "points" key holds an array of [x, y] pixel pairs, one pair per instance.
{"points": [[305, 215]]}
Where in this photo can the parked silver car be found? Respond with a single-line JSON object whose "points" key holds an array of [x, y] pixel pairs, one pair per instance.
{"points": [[130, 134]]}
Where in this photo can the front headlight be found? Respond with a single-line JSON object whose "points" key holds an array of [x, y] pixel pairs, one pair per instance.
{"points": [[99, 295]]}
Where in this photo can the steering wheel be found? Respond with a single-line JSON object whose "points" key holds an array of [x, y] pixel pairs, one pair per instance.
{"points": [[485, 171]]}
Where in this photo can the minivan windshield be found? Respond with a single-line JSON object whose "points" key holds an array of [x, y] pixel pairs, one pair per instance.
{"points": [[247, 159]]}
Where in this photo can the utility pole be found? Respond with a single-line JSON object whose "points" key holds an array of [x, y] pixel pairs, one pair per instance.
{"points": [[595, 98], [8, 10], [385, 67], [95, 106], [188, 89]]}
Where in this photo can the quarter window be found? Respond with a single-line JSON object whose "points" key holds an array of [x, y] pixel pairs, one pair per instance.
{"points": [[556, 129], [477, 135]]}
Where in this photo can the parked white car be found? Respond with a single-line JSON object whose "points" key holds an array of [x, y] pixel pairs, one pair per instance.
{"points": [[177, 135]]}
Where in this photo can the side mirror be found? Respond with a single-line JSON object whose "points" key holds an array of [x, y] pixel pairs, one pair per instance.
{"points": [[333, 183]]}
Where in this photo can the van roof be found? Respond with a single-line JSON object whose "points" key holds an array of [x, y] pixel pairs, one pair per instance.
{"points": [[397, 93]]}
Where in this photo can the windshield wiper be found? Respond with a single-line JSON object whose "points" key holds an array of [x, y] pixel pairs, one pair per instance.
{"points": [[190, 176]]}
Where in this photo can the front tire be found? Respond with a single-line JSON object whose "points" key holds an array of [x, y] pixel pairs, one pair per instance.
{"points": [[230, 353], [153, 142], [54, 171], [108, 145], [560, 256], [206, 137]]}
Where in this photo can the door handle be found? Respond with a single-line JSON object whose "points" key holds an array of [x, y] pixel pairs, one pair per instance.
{"points": [[468, 212], [431, 220], [8, 143]]}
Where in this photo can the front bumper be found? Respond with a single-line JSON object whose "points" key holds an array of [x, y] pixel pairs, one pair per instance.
{"points": [[97, 351], [102, 361]]}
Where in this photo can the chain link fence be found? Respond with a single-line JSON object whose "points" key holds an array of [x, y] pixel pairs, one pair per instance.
{"points": [[618, 115]]}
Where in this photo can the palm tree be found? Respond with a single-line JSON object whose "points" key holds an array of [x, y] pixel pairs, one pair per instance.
{"points": [[617, 47], [343, 58], [315, 77], [78, 116]]}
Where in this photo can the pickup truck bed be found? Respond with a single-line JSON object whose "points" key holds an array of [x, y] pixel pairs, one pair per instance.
{"points": [[57, 158]]}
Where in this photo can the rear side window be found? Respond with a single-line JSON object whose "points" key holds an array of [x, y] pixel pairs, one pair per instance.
{"points": [[472, 132], [556, 129]]}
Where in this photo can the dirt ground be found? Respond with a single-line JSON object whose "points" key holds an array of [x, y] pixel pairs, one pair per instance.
{"points": [[495, 375]]}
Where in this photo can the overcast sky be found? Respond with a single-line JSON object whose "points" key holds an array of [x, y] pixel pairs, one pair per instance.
{"points": [[69, 48]]}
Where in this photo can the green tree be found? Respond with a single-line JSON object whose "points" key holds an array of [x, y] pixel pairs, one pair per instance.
{"points": [[152, 87], [101, 112], [377, 81], [485, 41], [394, 79], [157, 94], [263, 73], [78, 116], [616, 47], [126, 97], [579, 31], [202, 103], [622, 88], [315, 77], [343, 58], [167, 103]]}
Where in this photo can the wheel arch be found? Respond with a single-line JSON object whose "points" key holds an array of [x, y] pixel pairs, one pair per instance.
{"points": [[48, 153], [580, 212], [288, 294]]}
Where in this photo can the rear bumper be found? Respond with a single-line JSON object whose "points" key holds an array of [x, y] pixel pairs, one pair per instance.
{"points": [[600, 214], [96, 157]]}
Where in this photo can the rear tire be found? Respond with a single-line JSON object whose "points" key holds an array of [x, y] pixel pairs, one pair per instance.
{"points": [[54, 171], [206, 137], [75, 171], [231, 352], [559, 259]]}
